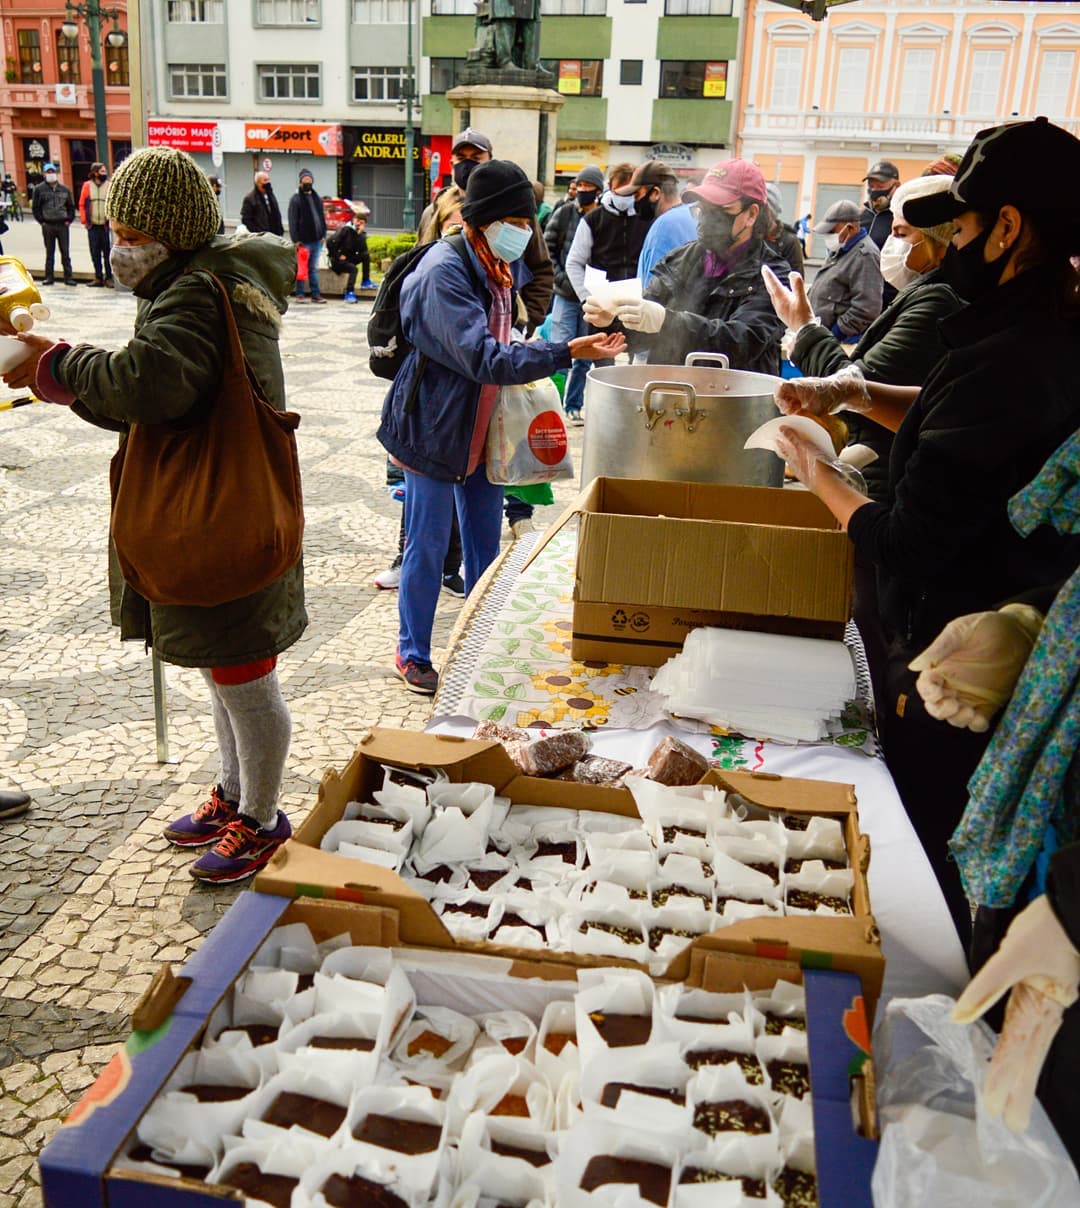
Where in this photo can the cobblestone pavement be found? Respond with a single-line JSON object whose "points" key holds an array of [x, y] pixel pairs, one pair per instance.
{"points": [[92, 900]]}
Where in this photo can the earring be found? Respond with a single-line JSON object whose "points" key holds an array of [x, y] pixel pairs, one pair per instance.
{"points": [[1001, 243]]}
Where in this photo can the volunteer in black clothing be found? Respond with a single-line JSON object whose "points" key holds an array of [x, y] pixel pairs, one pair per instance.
{"points": [[1003, 398]]}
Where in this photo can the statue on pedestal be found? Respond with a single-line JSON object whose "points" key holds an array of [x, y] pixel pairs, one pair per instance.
{"points": [[507, 49]]}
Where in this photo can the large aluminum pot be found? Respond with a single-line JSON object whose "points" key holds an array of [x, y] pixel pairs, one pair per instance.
{"points": [[679, 423]]}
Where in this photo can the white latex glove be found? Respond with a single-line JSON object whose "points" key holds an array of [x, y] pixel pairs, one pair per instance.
{"points": [[843, 391], [1038, 962], [791, 305], [643, 316], [598, 314], [970, 669], [806, 461]]}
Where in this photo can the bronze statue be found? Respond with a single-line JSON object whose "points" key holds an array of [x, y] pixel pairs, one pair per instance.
{"points": [[507, 46]]}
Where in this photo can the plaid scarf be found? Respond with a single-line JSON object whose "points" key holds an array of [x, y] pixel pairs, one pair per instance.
{"points": [[497, 270]]}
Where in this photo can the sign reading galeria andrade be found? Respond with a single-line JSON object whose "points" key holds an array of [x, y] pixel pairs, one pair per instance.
{"points": [[311, 137], [379, 144]]}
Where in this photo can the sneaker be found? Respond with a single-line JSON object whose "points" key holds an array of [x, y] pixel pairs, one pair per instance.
{"points": [[206, 825], [47, 281], [367, 285], [298, 298], [576, 418], [421, 678], [350, 297], [520, 527], [97, 283], [70, 281], [242, 850], [318, 299], [13, 803], [454, 584], [389, 579]]}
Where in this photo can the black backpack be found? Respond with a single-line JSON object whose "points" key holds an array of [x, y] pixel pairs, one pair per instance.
{"points": [[387, 345]]}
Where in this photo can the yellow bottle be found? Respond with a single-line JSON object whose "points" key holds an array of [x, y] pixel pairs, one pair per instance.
{"points": [[20, 302]]}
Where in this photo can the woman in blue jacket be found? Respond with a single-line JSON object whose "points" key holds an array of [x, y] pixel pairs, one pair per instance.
{"points": [[457, 312]]}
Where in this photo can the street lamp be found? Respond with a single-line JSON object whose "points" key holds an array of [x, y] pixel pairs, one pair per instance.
{"points": [[408, 214], [92, 12]]}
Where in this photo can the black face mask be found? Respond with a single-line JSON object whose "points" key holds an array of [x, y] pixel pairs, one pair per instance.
{"points": [[879, 198], [716, 229], [463, 170], [646, 208], [586, 197], [306, 187], [968, 273]]}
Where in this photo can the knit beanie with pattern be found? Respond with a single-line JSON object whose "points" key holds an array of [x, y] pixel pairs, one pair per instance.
{"points": [[498, 189], [162, 192]]}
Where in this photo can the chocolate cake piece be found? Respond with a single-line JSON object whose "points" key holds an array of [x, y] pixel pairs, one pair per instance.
{"points": [[746, 1062], [796, 1188], [354, 1191], [524, 883], [795, 866], [595, 769], [671, 833], [772, 871], [567, 851], [656, 934], [667, 892], [438, 875], [609, 1097], [545, 756], [653, 1180], [790, 1077], [495, 731], [753, 1189], [803, 899], [535, 1157], [618, 1031], [775, 1024], [356, 1044], [316, 1115], [187, 1170], [484, 878], [674, 763], [275, 1189], [478, 910], [630, 935], [796, 822], [512, 919], [555, 1042], [214, 1092], [403, 1136], [432, 1043], [511, 1105], [304, 982], [731, 1115], [257, 1033], [721, 902]]}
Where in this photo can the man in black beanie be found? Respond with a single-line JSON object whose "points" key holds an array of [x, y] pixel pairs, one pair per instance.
{"points": [[307, 228]]}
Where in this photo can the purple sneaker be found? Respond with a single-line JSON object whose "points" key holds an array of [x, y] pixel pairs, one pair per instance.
{"points": [[206, 825], [241, 851]]}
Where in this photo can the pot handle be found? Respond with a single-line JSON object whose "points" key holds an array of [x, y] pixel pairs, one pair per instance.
{"points": [[683, 388], [697, 358]]}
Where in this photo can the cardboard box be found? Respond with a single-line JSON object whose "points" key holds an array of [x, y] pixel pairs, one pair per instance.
{"points": [[301, 869], [77, 1165], [657, 559]]}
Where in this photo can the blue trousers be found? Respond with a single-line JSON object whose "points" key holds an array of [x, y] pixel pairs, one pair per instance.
{"points": [[567, 323], [428, 504], [313, 270]]}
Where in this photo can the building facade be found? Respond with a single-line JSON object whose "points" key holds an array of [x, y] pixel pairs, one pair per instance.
{"points": [[47, 103], [903, 80]]}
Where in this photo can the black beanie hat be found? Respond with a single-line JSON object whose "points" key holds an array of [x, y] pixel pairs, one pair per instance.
{"points": [[498, 189]]}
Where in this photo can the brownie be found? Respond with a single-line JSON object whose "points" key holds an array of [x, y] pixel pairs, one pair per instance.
{"points": [[656, 934], [429, 1042], [721, 902], [524, 883], [187, 1170], [772, 871], [484, 878], [670, 832], [731, 1115], [535, 1157], [794, 866], [674, 763], [618, 1031], [796, 822], [706, 869], [752, 1188], [610, 1095], [545, 756], [478, 910], [595, 769], [495, 731], [628, 934], [304, 982], [357, 1044], [747, 1062], [316, 1115], [257, 1033], [653, 1180], [796, 1188], [511, 1105], [404, 1136], [512, 919], [790, 1077], [354, 1191], [438, 875], [567, 851], [275, 1189], [555, 1042], [660, 896], [805, 900], [775, 1024], [213, 1092], [394, 823]]}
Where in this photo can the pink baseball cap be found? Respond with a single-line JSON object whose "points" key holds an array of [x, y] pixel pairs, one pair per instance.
{"points": [[728, 181]]}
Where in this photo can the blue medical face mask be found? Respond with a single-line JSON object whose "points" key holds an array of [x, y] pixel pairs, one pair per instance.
{"points": [[506, 241]]}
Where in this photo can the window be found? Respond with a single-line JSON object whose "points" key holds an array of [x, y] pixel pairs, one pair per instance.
{"points": [[281, 82], [196, 12], [692, 78], [453, 8], [573, 8], [577, 77], [852, 64], [196, 81], [117, 71], [444, 74], [380, 12], [984, 87], [30, 57], [917, 83], [697, 8], [630, 71], [1055, 83], [288, 12], [67, 60], [379, 83], [787, 77]]}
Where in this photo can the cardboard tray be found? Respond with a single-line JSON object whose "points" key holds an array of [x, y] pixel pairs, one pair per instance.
{"points": [[301, 869], [76, 1165]]}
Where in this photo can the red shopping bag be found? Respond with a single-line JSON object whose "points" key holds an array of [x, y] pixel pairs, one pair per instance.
{"points": [[302, 258]]}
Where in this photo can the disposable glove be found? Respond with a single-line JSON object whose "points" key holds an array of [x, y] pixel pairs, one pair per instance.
{"points": [[598, 314], [1038, 962], [643, 316], [970, 669], [843, 391], [805, 459]]}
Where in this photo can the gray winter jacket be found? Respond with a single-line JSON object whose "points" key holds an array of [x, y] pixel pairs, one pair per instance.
{"points": [[846, 293]]}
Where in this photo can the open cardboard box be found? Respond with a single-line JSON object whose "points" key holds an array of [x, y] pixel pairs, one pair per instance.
{"points": [[301, 869], [657, 559], [79, 1169]]}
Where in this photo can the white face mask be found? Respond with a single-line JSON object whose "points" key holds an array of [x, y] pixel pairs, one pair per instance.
{"points": [[832, 242], [622, 204], [130, 265], [894, 265], [50, 177]]}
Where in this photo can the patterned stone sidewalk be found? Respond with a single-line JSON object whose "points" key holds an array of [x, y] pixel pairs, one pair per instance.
{"points": [[92, 900]]}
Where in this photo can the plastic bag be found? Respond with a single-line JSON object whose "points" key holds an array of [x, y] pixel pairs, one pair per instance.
{"points": [[526, 438], [939, 1147]]}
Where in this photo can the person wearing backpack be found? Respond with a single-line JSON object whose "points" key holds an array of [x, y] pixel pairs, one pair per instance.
{"points": [[456, 305], [348, 249]]}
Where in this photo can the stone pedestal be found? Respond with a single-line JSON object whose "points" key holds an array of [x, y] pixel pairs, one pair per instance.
{"points": [[522, 123]]}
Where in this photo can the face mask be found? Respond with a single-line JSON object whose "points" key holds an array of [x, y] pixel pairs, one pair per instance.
{"points": [[832, 242], [101, 178], [130, 265], [50, 177], [716, 229], [306, 187], [463, 170], [879, 198], [506, 241], [894, 265], [586, 198], [622, 205], [646, 208], [968, 273]]}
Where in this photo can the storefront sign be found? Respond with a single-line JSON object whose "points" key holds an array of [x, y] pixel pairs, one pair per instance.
{"points": [[65, 94], [293, 136], [379, 144], [184, 136], [36, 150], [715, 80], [217, 151], [675, 154], [571, 156], [570, 77]]}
